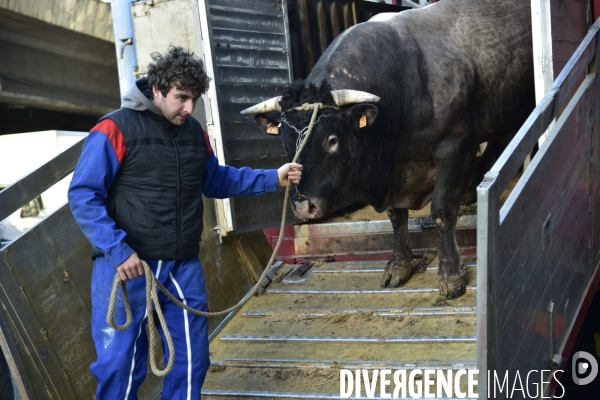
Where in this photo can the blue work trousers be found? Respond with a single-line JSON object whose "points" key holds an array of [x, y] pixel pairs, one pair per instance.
{"points": [[121, 365]]}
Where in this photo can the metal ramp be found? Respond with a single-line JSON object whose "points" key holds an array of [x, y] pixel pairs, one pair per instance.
{"points": [[292, 341]]}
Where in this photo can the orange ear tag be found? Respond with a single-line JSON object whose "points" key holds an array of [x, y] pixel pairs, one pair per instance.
{"points": [[363, 122], [273, 130]]}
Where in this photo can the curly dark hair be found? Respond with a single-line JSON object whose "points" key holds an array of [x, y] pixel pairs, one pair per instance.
{"points": [[177, 67]]}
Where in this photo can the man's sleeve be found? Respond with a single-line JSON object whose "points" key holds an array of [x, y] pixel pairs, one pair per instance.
{"points": [[223, 181], [100, 160]]}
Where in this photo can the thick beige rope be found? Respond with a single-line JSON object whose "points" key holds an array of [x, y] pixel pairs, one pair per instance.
{"points": [[152, 297]]}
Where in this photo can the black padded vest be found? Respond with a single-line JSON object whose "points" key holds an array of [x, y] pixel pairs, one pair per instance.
{"points": [[156, 197]]}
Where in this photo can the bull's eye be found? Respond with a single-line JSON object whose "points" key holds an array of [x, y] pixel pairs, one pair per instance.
{"points": [[332, 143]]}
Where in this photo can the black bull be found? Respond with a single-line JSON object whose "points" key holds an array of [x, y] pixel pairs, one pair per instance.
{"points": [[444, 79]]}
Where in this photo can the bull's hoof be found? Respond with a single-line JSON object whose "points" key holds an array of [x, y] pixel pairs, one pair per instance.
{"points": [[453, 286], [396, 274]]}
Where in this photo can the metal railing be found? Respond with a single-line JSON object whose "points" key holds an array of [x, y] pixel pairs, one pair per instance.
{"points": [[537, 251]]}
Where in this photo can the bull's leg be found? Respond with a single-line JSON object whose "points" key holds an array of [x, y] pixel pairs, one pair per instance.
{"points": [[483, 164], [452, 177], [400, 267]]}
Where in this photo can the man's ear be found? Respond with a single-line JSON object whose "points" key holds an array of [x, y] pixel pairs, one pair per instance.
{"points": [[364, 113], [155, 92], [269, 123]]}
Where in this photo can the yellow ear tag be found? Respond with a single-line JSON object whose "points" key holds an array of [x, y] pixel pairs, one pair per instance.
{"points": [[273, 130], [363, 122]]}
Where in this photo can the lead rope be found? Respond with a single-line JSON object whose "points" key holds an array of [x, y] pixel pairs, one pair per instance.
{"points": [[152, 297]]}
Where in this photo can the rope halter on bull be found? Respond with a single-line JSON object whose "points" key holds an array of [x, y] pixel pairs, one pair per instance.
{"points": [[152, 281]]}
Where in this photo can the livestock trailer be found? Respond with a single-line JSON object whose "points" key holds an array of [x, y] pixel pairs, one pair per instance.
{"points": [[532, 256]]}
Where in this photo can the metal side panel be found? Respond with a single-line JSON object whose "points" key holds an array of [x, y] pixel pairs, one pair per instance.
{"points": [[45, 293], [542, 246], [535, 250], [46, 314]]}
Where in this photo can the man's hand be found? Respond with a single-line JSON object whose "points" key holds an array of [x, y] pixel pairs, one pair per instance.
{"points": [[289, 172], [130, 268]]}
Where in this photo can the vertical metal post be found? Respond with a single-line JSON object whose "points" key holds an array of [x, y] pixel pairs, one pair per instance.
{"points": [[124, 43], [213, 119], [543, 67]]}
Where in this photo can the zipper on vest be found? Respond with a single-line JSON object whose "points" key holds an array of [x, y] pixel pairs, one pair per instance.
{"points": [[178, 202]]}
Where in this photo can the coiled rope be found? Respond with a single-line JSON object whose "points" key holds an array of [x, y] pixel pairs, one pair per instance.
{"points": [[152, 282]]}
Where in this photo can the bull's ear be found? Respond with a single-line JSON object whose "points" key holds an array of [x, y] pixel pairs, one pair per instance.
{"points": [[269, 123], [364, 113]]}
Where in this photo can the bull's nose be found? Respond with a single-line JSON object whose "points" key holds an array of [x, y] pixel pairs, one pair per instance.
{"points": [[304, 208]]}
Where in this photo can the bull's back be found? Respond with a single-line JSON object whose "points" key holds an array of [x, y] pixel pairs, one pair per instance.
{"points": [[443, 59], [481, 53]]}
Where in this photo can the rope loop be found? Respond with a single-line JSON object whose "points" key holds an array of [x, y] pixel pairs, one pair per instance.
{"points": [[152, 283]]}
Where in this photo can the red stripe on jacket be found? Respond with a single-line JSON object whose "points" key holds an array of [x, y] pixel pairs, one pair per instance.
{"points": [[114, 135], [207, 139]]}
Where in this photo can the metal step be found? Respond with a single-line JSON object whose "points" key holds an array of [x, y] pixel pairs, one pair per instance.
{"points": [[292, 341], [250, 377], [235, 394]]}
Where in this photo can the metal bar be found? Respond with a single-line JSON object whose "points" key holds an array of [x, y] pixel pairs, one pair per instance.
{"points": [[350, 339], [383, 312], [287, 395], [542, 51], [371, 270], [13, 359], [288, 51], [241, 10], [16, 195], [53, 104], [360, 291], [222, 325], [213, 120], [485, 227], [346, 364]]}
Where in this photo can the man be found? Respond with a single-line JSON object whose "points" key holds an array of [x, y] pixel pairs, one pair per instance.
{"points": [[137, 194]]}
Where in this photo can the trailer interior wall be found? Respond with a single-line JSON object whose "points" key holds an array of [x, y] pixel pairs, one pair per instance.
{"points": [[538, 251], [315, 23]]}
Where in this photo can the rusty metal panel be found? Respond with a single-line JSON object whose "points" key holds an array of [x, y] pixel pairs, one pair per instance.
{"points": [[570, 22], [534, 251]]}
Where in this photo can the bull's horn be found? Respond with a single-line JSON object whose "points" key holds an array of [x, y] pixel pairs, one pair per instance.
{"points": [[346, 96], [266, 106]]}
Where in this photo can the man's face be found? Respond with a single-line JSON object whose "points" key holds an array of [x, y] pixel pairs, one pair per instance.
{"points": [[177, 105]]}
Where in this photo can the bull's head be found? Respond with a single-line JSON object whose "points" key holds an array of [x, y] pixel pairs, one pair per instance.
{"points": [[331, 154]]}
